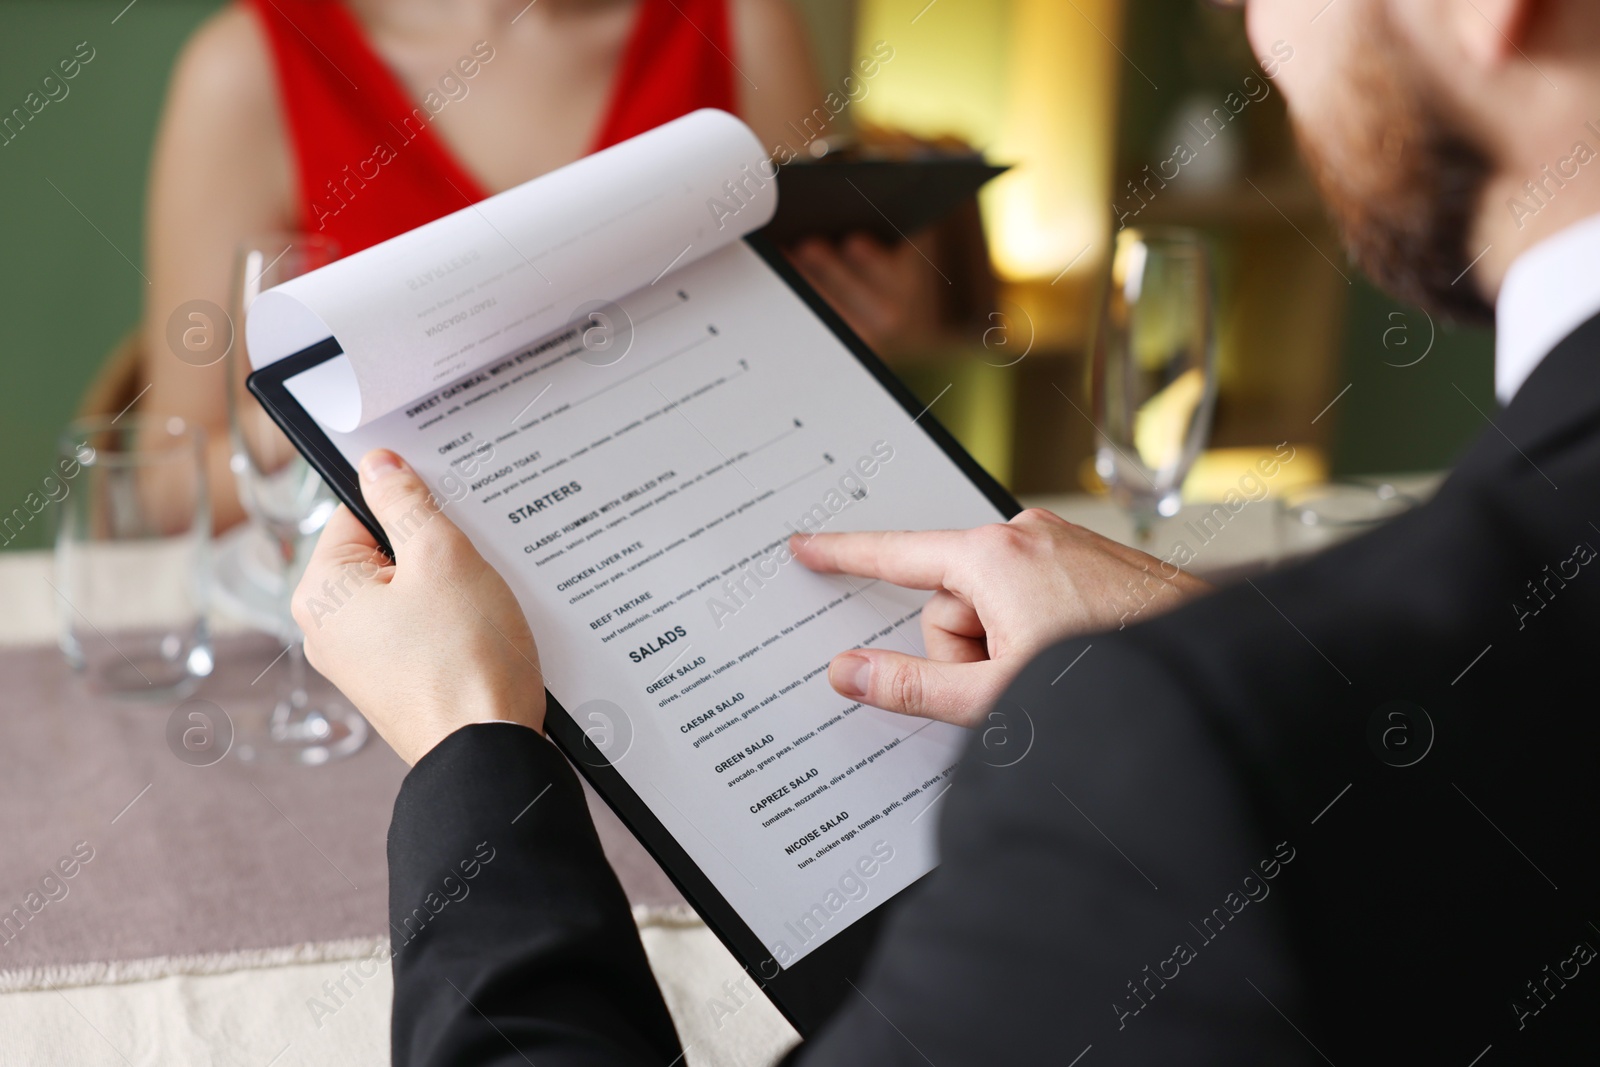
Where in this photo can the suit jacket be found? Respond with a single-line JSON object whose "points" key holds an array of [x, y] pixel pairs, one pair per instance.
{"points": [[1343, 813]]}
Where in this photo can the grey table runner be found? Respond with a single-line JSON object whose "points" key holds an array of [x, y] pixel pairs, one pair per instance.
{"points": [[192, 860]]}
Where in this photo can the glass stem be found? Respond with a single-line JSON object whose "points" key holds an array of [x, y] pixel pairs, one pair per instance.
{"points": [[298, 698], [292, 694], [1144, 527]]}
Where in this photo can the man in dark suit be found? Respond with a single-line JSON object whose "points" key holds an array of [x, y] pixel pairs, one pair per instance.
{"points": [[1340, 814]]}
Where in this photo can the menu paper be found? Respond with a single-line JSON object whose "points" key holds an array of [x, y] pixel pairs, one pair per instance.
{"points": [[421, 309], [635, 470]]}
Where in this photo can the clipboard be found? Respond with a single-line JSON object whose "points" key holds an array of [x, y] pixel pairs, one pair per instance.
{"points": [[808, 990], [888, 198]]}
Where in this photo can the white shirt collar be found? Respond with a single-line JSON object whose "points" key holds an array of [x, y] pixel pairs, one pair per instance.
{"points": [[1550, 290]]}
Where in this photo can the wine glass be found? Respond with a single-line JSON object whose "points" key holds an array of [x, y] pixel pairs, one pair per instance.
{"points": [[284, 497], [1154, 370]]}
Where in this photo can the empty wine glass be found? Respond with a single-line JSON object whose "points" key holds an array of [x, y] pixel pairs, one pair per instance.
{"points": [[1154, 370], [286, 498]]}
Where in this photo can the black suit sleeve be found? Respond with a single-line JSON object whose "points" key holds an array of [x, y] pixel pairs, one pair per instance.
{"points": [[1197, 842], [1103, 883], [1103, 893], [512, 940]]}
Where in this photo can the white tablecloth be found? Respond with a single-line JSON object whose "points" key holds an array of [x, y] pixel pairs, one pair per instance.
{"points": [[262, 1009]]}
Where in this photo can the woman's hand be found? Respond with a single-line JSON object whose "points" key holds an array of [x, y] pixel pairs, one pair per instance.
{"points": [[427, 644], [888, 295], [1003, 593]]}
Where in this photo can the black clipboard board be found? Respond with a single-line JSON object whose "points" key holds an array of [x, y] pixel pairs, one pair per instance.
{"points": [[888, 198], [807, 991]]}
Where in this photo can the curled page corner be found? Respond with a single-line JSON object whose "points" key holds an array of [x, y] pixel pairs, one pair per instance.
{"points": [[278, 325], [424, 308], [330, 393]]}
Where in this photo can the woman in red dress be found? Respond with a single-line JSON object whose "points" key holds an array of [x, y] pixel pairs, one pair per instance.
{"points": [[362, 119]]}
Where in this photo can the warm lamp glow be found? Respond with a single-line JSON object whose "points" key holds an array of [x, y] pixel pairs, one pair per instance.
{"points": [[1029, 82], [1219, 470], [1060, 122]]}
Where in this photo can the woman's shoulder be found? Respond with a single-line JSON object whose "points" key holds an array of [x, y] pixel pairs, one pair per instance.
{"points": [[221, 139], [772, 37], [768, 23], [227, 67]]}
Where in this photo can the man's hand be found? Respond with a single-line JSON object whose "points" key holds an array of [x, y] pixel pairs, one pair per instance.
{"points": [[1002, 593], [428, 644]]}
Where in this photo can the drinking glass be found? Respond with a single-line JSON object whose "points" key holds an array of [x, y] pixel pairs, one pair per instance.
{"points": [[1153, 371], [133, 528], [1318, 517], [285, 498]]}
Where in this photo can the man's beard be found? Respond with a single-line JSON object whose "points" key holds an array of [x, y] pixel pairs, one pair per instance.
{"points": [[1407, 186]]}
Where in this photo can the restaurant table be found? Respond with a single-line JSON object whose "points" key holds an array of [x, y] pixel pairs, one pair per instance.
{"points": [[236, 913]]}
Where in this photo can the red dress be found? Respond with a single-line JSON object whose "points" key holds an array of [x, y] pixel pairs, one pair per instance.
{"points": [[370, 166]]}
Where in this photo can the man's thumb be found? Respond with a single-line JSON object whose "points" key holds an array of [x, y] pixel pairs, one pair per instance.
{"points": [[953, 692], [401, 502]]}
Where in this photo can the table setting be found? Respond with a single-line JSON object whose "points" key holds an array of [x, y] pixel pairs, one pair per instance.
{"points": [[233, 911], [195, 847], [221, 810]]}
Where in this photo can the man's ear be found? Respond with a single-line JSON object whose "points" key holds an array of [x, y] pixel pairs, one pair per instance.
{"points": [[1492, 32]]}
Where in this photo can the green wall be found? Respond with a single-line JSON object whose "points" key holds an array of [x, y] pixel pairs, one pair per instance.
{"points": [[67, 294], [1405, 410]]}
